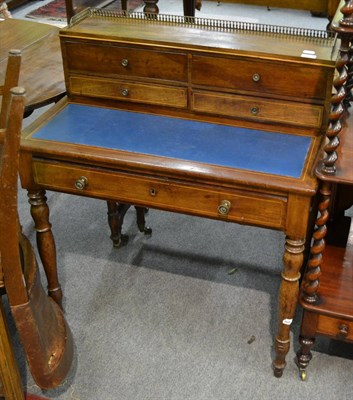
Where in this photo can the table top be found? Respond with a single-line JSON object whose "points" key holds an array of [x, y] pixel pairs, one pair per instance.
{"points": [[176, 147], [41, 73], [179, 138]]}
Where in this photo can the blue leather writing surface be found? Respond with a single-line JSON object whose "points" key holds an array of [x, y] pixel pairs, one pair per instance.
{"points": [[249, 149]]}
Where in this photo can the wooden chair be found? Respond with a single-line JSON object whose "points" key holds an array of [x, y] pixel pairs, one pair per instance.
{"points": [[10, 381], [43, 331]]}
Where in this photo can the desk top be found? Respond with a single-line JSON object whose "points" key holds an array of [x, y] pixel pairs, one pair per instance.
{"points": [[201, 142], [41, 68]]}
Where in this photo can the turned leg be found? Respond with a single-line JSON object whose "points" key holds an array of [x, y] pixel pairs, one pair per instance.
{"points": [[45, 242], [124, 5], [288, 298], [116, 214], [306, 341], [141, 223], [189, 8]]}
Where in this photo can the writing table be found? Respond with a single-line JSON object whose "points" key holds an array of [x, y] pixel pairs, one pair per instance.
{"points": [[221, 122]]}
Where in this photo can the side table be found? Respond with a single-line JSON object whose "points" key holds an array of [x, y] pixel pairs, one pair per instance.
{"points": [[327, 290]]}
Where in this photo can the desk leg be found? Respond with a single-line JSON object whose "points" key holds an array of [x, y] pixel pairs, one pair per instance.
{"points": [[45, 242], [288, 299], [116, 214]]}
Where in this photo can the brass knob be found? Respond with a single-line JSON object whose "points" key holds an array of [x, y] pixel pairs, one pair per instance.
{"points": [[124, 92], [256, 77], [125, 62], [224, 207], [81, 183], [254, 110]]}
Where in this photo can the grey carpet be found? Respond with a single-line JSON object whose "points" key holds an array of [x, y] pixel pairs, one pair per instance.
{"points": [[163, 318]]}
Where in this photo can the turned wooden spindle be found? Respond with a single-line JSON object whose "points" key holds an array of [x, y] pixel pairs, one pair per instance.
{"points": [[45, 242], [341, 85], [313, 271], [336, 111], [347, 10]]}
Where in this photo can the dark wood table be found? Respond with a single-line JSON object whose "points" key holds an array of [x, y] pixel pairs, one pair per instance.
{"points": [[41, 70]]}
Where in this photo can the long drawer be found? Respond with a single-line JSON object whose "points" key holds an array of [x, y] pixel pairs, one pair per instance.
{"points": [[110, 59], [243, 207], [258, 109], [129, 91], [335, 327], [260, 77]]}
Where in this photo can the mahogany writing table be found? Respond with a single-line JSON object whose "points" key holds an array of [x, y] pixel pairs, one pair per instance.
{"points": [[223, 123]]}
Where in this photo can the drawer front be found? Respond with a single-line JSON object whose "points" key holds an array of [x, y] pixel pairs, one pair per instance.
{"points": [[129, 91], [260, 77], [335, 327], [260, 110], [109, 59], [242, 207]]}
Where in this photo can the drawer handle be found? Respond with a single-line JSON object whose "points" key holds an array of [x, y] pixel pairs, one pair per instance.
{"points": [[255, 110], [81, 183], [256, 77], [124, 92], [125, 62], [343, 331], [224, 207]]}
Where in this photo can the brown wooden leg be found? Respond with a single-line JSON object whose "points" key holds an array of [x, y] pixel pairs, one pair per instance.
{"points": [[45, 242], [306, 340], [189, 8], [141, 223], [288, 298], [116, 214], [151, 7], [124, 5], [9, 373]]}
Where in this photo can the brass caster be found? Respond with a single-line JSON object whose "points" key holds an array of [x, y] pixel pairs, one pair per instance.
{"points": [[303, 375], [145, 229]]}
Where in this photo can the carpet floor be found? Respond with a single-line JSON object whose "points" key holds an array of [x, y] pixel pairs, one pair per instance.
{"points": [[56, 10]]}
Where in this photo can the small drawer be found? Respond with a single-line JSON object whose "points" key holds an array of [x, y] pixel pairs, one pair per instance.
{"points": [[238, 206], [257, 109], [261, 77], [128, 91], [110, 59], [335, 327]]}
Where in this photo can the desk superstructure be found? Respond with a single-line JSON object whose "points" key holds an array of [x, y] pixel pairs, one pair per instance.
{"points": [[222, 120]]}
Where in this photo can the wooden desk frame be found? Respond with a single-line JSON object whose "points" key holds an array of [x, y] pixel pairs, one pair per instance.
{"points": [[184, 181]]}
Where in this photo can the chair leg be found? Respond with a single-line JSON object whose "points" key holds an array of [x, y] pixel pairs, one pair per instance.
{"points": [[116, 214], [9, 373], [140, 219], [124, 5], [189, 8]]}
